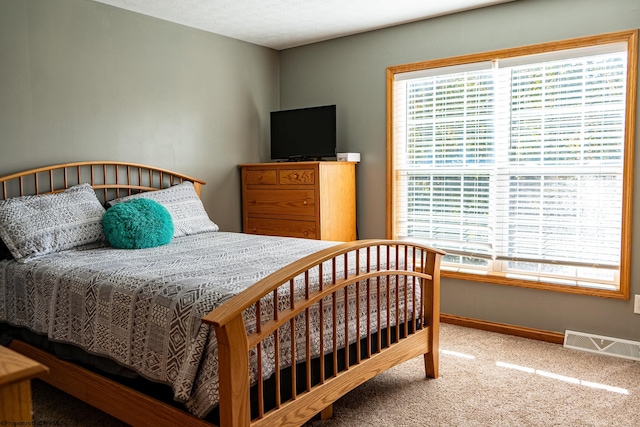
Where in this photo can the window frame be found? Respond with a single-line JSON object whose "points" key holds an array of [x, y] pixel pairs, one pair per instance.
{"points": [[631, 38]]}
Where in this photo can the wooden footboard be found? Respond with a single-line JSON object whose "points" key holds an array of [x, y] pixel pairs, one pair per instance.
{"points": [[377, 280]]}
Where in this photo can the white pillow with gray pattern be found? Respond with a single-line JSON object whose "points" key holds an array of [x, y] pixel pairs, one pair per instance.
{"points": [[32, 226], [184, 205]]}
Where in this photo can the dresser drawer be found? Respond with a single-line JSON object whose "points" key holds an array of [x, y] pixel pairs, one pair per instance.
{"points": [[290, 202], [297, 177], [279, 227], [267, 177]]}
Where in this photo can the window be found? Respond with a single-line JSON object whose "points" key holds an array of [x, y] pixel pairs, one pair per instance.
{"points": [[519, 163]]}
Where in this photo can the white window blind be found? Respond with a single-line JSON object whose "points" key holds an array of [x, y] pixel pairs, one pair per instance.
{"points": [[518, 167]]}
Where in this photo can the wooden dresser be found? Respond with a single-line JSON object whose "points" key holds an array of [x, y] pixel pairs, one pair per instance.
{"points": [[16, 372], [314, 200]]}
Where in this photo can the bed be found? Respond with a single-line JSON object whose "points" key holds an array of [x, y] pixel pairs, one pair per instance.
{"points": [[243, 330]]}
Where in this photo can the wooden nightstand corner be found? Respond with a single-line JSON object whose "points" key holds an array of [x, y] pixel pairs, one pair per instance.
{"points": [[16, 372]]}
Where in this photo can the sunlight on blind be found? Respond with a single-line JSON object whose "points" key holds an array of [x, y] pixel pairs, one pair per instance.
{"points": [[561, 188], [522, 164]]}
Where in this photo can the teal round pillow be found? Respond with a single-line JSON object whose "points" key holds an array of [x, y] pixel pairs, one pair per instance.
{"points": [[137, 224]]}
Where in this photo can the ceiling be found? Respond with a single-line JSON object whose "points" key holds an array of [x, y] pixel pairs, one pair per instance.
{"points": [[281, 24]]}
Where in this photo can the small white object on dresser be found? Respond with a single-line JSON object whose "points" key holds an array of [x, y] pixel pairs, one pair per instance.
{"points": [[348, 157]]}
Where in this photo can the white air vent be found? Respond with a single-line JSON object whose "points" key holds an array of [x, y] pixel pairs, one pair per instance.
{"points": [[602, 345]]}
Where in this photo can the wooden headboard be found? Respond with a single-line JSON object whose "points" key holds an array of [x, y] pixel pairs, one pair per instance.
{"points": [[110, 179]]}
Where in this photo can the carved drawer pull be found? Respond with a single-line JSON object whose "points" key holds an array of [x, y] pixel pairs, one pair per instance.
{"points": [[304, 202], [306, 233], [295, 176], [255, 229]]}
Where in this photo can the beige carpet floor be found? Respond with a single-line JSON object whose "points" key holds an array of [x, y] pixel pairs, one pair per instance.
{"points": [[486, 379]]}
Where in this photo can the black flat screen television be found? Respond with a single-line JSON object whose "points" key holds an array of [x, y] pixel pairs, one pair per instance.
{"points": [[304, 133]]}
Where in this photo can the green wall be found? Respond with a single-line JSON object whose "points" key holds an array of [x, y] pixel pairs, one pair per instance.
{"points": [[81, 80], [350, 72]]}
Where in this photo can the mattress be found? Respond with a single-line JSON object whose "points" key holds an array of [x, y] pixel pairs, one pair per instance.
{"points": [[143, 308]]}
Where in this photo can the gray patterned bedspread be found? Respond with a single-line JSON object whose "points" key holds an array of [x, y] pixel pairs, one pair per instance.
{"points": [[142, 308]]}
